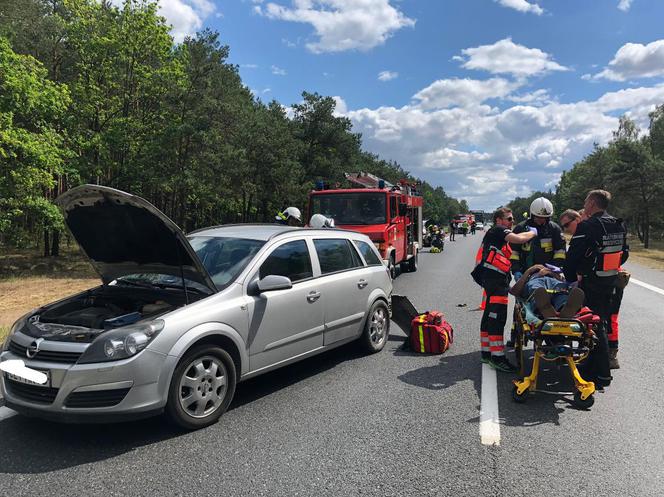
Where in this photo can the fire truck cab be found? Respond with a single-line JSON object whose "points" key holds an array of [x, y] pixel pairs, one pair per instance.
{"points": [[391, 215]]}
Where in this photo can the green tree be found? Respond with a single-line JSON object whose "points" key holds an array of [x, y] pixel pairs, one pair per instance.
{"points": [[31, 144]]}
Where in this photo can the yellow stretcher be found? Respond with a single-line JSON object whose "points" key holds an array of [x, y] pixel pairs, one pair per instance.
{"points": [[554, 340]]}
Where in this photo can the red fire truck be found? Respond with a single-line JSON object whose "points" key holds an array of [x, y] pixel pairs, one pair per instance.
{"points": [[391, 215]]}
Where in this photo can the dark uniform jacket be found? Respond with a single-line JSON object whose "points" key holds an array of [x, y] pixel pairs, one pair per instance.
{"points": [[547, 248], [598, 247]]}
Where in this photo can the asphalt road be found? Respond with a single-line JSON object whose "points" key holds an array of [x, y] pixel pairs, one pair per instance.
{"points": [[389, 424]]}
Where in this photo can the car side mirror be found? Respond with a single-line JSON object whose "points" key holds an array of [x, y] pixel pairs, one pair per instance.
{"points": [[270, 283]]}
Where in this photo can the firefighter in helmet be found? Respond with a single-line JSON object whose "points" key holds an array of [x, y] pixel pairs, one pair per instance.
{"points": [[291, 216], [549, 245]]}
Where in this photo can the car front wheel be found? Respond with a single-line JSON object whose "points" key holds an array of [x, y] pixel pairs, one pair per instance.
{"points": [[202, 387]]}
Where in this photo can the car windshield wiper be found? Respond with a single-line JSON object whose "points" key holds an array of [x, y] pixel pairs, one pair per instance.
{"points": [[180, 287], [134, 283]]}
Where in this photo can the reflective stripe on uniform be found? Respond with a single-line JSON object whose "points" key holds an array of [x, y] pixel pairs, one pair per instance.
{"points": [[496, 345], [546, 244], [559, 254], [498, 299], [484, 341]]}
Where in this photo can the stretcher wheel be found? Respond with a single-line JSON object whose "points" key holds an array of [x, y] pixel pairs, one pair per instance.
{"points": [[520, 399], [583, 404]]}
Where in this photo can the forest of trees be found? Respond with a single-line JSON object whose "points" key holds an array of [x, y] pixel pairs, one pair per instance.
{"points": [[95, 93], [630, 166]]}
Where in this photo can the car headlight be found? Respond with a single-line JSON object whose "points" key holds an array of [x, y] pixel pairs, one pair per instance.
{"points": [[18, 325], [122, 343]]}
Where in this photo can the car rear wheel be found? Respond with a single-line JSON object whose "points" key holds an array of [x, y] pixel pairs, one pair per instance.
{"points": [[202, 387], [377, 328]]}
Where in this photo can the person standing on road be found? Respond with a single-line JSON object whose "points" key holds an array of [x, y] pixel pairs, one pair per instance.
{"points": [[464, 228], [492, 272], [473, 227], [452, 230], [597, 251], [549, 245]]}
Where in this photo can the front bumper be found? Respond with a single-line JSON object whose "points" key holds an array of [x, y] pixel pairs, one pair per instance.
{"points": [[128, 389]]}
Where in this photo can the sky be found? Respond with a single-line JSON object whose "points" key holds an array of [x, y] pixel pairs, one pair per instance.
{"points": [[490, 99]]}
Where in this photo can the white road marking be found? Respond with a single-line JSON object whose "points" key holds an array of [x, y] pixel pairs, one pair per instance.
{"points": [[6, 413], [489, 426], [647, 285]]}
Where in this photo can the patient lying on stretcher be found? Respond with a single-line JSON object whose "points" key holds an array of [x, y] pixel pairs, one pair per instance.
{"points": [[546, 292]]}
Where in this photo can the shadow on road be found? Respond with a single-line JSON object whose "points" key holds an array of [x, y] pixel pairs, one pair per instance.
{"points": [[29, 446], [541, 408]]}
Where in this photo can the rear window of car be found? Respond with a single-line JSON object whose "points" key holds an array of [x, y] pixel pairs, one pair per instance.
{"points": [[368, 253], [291, 260], [336, 255]]}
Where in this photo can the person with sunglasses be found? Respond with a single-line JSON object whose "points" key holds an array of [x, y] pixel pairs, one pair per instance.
{"points": [[569, 220], [493, 272]]}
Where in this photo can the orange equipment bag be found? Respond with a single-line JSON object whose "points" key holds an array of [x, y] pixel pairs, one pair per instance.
{"points": [[430, 333]]}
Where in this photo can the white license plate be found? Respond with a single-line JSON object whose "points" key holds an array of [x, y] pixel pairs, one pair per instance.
{"points": [[20, 379]]}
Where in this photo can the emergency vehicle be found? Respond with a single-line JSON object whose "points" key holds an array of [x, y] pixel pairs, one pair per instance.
{"points": [[391, 215]]}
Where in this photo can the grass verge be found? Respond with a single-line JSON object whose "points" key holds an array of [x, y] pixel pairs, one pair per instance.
{"points": [[652, 257], [21, 294]]}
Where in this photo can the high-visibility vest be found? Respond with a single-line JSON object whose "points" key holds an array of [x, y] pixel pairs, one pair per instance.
{"points": [[497, 259]]}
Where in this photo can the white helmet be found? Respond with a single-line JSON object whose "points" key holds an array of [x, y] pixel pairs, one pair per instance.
{"points": [[541, 207], [320, 221], [293, 212]]}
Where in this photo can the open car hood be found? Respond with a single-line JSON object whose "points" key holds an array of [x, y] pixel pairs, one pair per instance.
{"points": [[123, 234]]}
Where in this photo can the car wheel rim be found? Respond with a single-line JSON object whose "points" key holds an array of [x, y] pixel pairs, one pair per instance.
{"points": [[377, 327], [203, 386]]}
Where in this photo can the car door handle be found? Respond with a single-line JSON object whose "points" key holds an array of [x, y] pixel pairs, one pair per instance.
{"points": [[362, 283], [313, 297]]}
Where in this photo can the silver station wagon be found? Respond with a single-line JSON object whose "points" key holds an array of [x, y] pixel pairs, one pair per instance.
{"points": [[179, 320]]}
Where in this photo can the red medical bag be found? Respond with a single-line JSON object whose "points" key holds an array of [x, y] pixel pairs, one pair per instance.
{"points": [[430, 333]]}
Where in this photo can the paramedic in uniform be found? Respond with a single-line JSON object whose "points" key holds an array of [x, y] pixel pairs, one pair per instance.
{"points": [[493, 272], [596, 252]]}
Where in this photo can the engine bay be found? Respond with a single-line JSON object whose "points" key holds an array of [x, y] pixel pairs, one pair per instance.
{"points": [[85, 316]]}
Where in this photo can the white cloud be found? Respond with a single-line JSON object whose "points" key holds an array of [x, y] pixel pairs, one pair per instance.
{"points": [[342, 24], [487, 154], [524, 6], [507, 57], [537, 97], [341, 108], [624, 5], [249, 66], [185, 16], [463, 92], [633, 61], [387, 75], [278, 71]]}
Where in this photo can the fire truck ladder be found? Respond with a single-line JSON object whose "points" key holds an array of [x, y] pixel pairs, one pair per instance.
{"points": [[368, 180]]}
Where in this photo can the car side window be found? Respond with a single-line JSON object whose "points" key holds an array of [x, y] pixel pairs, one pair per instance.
{"points": [[368, 253], [291, 260], [357, 260], [336, 255]]}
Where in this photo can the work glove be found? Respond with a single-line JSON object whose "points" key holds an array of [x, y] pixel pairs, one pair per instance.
{"points": [[532, 229]]}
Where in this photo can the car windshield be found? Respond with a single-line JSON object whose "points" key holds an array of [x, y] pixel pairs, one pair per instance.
{"points": [[352, 208], [223, 257]]}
